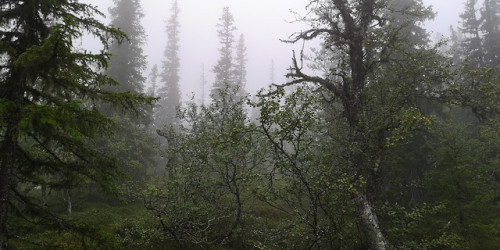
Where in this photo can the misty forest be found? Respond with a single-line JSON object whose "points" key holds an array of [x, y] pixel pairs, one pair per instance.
{"points": [[379, 136]]}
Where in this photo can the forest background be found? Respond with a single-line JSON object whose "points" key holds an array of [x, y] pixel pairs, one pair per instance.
{"points": [[379, 136]]}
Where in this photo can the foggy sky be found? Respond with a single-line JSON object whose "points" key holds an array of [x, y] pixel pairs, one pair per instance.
{"points": [[263, 22]]}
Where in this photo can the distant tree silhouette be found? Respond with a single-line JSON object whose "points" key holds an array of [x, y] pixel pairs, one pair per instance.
{"points": [[170, 91]]}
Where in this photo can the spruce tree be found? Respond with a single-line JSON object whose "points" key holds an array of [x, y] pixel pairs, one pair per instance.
{"points": [[49, 93], [455, 48], [240, 65], [224, 73], [153, 80], [170, 91], [470, 27], [490, 27], [128, 60], [407, 15], [131, 143]]}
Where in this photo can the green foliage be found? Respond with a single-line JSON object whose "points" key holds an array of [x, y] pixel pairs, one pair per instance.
{"points": [[446, 190], [210, 164], [462, 180], [305, 179], [98, 226], [133, 147], [477, 88], [378, 79], [387, 129], [49, 91]]}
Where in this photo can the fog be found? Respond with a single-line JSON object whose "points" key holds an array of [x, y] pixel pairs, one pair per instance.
{"points": [[390, 149], [263, 23]]}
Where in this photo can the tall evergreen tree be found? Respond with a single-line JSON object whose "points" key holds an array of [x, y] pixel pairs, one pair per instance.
{"points": [[49, 92], [455, 48], [153, 80], [490, 27], [127, 66], [408, 15], [470, 27], [128, 60], [479, 53], [240, 66], [224, 74], [170, 91]]}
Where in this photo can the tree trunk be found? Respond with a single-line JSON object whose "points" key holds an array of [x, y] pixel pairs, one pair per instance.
{"points": [[4, 202], [369, 223], [364, 209], [67, 198], [6, 178]]}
